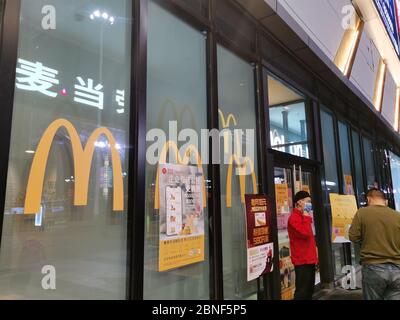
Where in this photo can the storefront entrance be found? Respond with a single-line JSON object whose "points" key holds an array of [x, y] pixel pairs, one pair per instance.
{"points": [[288, 180]]}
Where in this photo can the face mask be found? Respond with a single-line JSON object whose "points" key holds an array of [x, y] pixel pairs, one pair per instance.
{"points": [[308, 207]]}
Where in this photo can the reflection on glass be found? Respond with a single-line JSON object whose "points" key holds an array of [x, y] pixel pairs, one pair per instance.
{"points": [[285, 189], [284, 208], [288, 123], [348, 185], [236, 96], [358, 168], [176, 92], [369, 164], [69, 72], [329, 149], [395, 170], [332, 178]]}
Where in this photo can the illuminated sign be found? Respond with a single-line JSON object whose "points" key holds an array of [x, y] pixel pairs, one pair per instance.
{"points": [[388, 13], [278, 143], [82, 157], [35, 77]]}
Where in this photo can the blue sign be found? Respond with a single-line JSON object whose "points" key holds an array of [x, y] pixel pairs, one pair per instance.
{"points": [[387, 11]]}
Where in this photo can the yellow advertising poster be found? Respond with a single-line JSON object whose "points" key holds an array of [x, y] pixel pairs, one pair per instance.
{"points": [[181, 216], [282, 198], [348, 182], [344, 207]]}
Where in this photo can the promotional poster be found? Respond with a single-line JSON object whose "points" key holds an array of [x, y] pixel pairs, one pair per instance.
{"points": [[260, 249], [344, 207], [181, 216]]}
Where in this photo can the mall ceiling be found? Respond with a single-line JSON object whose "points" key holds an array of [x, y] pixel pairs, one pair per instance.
{"points": [[281, 26]]}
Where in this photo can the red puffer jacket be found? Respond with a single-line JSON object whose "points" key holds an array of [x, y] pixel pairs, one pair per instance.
{"points": [[303, 249]]}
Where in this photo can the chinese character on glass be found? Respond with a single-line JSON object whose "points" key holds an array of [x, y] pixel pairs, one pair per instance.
{"points": [[33, 76], [88, 94], [120, 99]]}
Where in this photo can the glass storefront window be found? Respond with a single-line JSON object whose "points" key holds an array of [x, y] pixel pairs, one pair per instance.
{"points": [[176, 102], [358, 168], [329, 149], [287, 183], [288, 121], [236, 96], [348, 183], [284, 208], [369, 164], [348, 188], [331, 181], [395, 170], [65, 210]]}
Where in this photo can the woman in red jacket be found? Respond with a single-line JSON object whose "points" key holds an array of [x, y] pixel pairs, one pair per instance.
{"points": [[302, 246]]}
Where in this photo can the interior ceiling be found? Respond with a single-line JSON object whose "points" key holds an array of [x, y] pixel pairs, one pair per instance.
{"points": [[278, 93], [74, 23]]}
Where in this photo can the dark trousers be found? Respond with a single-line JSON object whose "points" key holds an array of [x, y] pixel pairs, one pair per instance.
{"points": [[305, 282]]}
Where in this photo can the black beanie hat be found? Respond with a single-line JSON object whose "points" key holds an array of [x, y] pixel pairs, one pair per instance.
{"points": [[301, 195]]}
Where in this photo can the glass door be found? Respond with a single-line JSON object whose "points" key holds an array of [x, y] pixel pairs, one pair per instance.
{"points": [[288, 181]]}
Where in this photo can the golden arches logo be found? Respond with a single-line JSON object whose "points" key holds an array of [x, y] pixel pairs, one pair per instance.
{"points": [[82, 157], [190, 150], [242, 178], [169, 104], [236, 159], [226, 122]]}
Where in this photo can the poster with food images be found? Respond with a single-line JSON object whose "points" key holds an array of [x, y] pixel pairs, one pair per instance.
{"points": [[260, 249], [181, 189], [344, 207]]}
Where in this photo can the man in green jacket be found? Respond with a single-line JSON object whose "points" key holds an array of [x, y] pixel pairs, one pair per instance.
{"points": [[377, 228]]}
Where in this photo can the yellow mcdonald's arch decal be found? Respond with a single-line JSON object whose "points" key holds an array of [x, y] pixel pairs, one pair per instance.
{"points": [[236, 159], [174, 114], [242, 178], [82, 158], [226, 123], [191, 149]]}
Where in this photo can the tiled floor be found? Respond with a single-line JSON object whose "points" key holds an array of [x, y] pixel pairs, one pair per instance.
{"points": [[341, 294]]}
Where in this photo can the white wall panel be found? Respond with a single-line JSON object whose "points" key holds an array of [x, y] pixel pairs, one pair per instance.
{"points": [[321, 20], [389, 98], [365, 67]]}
